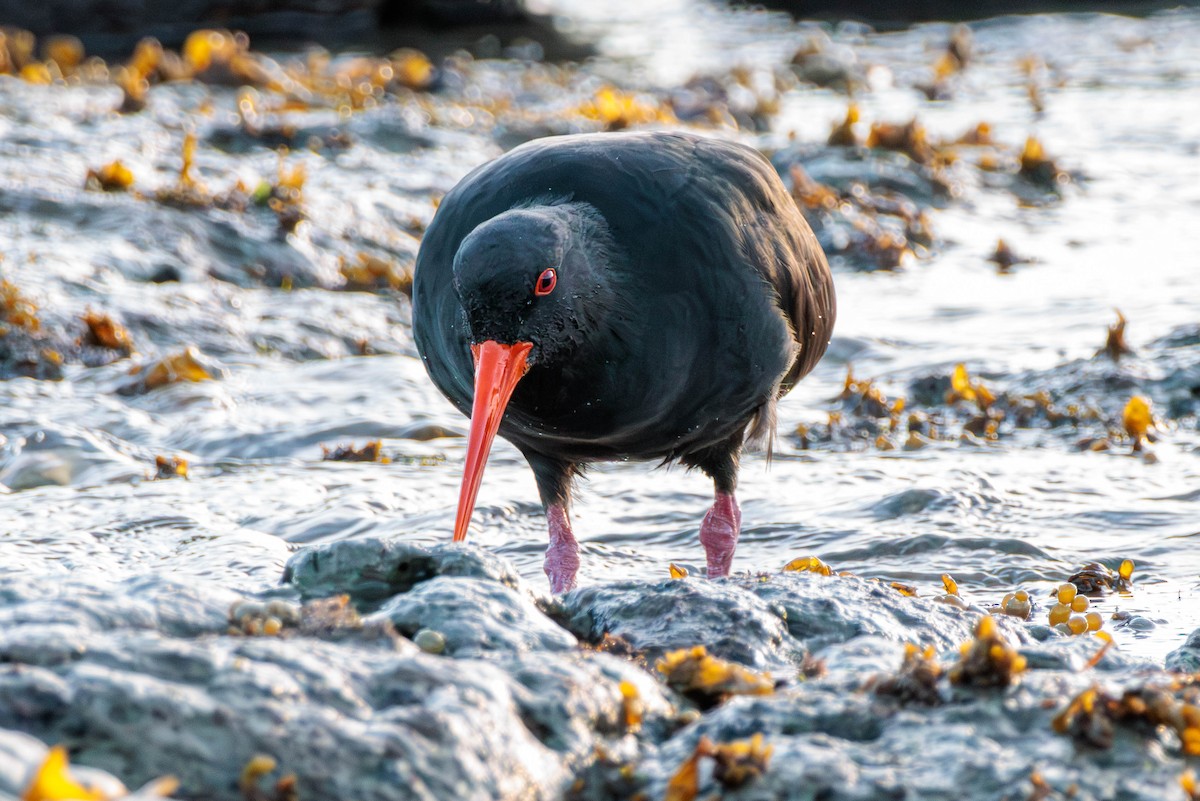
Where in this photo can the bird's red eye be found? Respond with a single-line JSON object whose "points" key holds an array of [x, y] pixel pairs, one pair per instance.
{"points": [[546, 281]]}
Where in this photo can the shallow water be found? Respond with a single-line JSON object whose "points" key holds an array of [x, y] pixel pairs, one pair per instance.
{"points": [[1027, 511]]}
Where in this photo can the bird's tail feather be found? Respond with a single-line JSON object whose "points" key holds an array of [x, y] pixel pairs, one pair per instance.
{"points": [[760, 435]]}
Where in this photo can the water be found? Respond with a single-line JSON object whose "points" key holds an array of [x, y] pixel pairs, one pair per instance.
{"points": [[1119, 100]]}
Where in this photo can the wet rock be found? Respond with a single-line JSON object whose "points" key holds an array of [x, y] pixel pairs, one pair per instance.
{"points": [[512, 709], [568, 700], [831, 742], [821, 611], [1186, 658], [907, 502], [371, 570], [475, 616], [880, 170], [771, 620], [179, 609], [821, 62], [867, 207], [37, 457], [304, 702], [351, 717], [1058, 651], [655, 618], [20, 754], [929, 390]]}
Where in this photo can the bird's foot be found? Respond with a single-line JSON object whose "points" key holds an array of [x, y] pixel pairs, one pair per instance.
{"points": [[719, 534], [562, 557]]}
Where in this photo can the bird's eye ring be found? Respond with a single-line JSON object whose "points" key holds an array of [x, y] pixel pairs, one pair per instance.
{"points": [[545, 282]]}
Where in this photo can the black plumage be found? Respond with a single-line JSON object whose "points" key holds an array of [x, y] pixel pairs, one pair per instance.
{"points": [[687, 295]]}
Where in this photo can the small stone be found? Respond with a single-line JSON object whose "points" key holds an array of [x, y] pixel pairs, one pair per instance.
{"points": [[430, 641]]}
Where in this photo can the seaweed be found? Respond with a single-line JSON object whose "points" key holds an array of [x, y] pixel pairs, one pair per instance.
{"points": [[734, 764], [916, 682], [170, 467], [1070, 614], [52, 781], [616, 110], [112, 177], [253, 618], [1017, 604], [1115, 345], [1138, 420], [707, 680], [258, 768], [909, 138], [844, 134], [1170, 704], [1095, 578], [808, 564], [369, 272], [371, 452], [1005, 258], [988, 660], [618, 646], [17, 309], [105, 332], [188, 365], [1038, 168]]}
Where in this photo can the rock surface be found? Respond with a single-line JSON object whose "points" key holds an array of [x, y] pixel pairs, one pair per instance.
{"points": [[156, 682]]}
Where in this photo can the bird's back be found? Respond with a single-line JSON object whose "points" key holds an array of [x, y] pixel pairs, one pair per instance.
{"points": [[728, 298]]}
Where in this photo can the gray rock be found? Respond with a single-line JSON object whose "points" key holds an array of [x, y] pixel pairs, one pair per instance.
{"points": [[680, 613], [476, 617], [373, 569], [821, 611], [832, 740], [148, 683], [350, 721], [1186, 658]]}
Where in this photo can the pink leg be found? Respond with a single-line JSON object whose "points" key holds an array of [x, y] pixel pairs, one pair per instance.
{"points": [[719, 533], [562, 557]]}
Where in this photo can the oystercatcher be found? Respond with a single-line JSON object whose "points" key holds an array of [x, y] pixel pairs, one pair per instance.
{"points": [[620, 296]]}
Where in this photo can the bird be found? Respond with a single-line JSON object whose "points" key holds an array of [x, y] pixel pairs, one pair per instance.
{"points": [[620, 296]]}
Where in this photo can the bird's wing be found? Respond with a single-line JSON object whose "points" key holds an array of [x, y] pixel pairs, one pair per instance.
{"points": [[782, 247]]}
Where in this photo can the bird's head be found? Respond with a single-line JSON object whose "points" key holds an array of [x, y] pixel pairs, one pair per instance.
{"points": [[533, 283]]}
